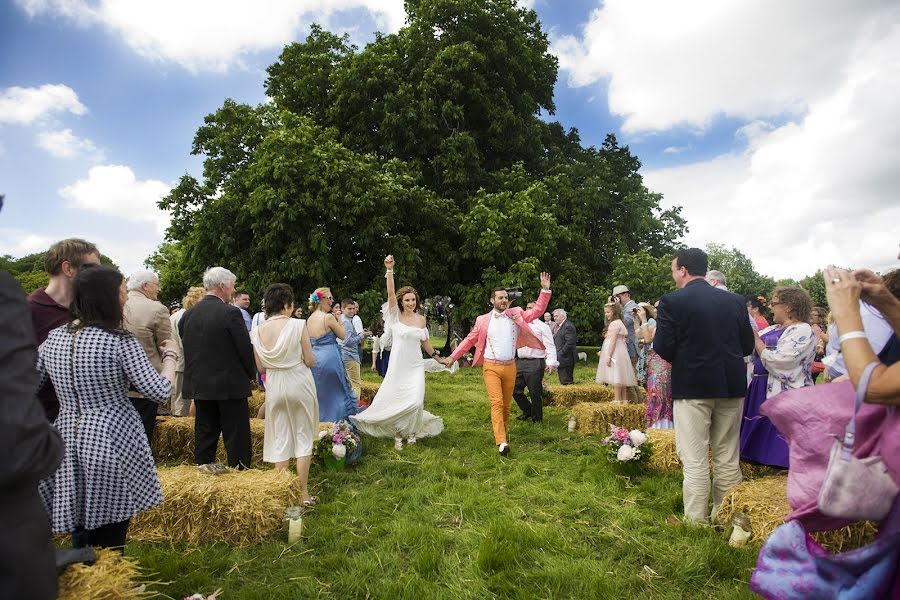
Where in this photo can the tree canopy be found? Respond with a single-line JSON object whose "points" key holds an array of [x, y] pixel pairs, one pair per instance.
{"points": [[427, 144]]}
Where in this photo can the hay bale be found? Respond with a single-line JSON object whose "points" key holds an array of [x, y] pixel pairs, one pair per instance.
{"points": [[568, 396], [112, 577], [664, 458], [255, 401], [368, 391], [595, 417], [173, 440], [764, 500], [755, 471], [239, 508]]}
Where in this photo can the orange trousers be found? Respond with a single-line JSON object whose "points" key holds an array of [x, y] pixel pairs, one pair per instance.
{"points": [[500, 381]]}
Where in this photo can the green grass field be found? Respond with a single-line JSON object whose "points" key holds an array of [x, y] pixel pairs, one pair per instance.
{"points": [[450, 518]]}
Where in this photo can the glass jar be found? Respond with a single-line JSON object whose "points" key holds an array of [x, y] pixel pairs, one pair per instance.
{"points": [[292, 524]]}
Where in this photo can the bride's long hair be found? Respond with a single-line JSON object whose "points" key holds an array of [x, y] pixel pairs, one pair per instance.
{"points": [[407, 289]]}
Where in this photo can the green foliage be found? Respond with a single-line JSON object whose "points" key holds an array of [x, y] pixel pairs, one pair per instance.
{"points": [[29, 270], [647, 277], [740, 274], [815, 285], [428, 145]]}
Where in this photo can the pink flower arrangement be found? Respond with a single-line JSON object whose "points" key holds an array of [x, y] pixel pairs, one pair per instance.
{"points": [[624, 446]]}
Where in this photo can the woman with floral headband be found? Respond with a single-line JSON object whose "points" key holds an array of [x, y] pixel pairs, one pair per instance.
{"points": [[336, 399]]}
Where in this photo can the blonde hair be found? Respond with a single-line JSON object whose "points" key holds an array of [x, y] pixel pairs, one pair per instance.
{"points": [[192, 297], [314, 306]]}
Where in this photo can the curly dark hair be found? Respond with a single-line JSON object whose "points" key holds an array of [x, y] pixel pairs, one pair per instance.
{"points": [[278, 297], [799, 304]]}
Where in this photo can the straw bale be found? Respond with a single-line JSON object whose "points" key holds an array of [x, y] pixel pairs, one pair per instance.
{"points": [[239, 508], [568, 396], [255, 401], [112, 577], [854, 535], [368, 391], [664, 458], [174, 440], [595, 417]]}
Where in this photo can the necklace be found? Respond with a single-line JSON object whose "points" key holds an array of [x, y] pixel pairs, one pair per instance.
{"points": [[278, 317]]}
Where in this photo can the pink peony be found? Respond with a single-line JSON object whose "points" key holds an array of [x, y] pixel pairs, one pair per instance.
{"points": [[622, 434]]}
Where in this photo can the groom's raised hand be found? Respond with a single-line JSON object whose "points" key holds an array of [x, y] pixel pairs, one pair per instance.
{"points": [[545, 281]]}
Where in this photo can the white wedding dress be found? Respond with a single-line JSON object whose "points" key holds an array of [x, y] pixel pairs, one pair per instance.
{"points": [[398, 407]]}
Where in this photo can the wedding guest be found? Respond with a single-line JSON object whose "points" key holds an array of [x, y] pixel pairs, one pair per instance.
{"points": [[336, 399], [755, 306], [283, 351], [614, 367], [181, 405], [548, 319], [337, 311], [629, 307], [298, 313], [658, 412], [644, 318], [32, 450], [107, 475], [716, 279], [878, 333], [531, 364], [565, 338], [260, 316], [350, 346], [496, 336], [148, 321], [846, 293], [219, 366], [818, 322], [705, 334], [241, 299], [50, 306], [784, 355], [351, 310], [385, 342]]}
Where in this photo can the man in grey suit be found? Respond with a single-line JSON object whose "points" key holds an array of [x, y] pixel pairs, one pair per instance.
{"points": [[566, 339]]}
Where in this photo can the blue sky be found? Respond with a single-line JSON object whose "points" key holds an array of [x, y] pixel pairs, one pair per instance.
{"points": [[785, 149]]}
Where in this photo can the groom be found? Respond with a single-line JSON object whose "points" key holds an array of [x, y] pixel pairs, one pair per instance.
{"points": [[496, 336]]}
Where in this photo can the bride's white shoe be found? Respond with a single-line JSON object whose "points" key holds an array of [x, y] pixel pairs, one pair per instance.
{"points": [[411, 440], [398, 443]]}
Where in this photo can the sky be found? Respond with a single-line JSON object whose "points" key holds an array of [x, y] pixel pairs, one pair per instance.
{"points": [[773, 124]]}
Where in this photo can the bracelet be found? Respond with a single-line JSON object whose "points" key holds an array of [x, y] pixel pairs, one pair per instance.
{"points": [[852, 335], [388, 272], [435, 353]]}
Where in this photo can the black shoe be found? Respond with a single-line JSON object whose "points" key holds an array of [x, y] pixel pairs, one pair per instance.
{"points": [[538, 421], [522, 417], [504, 449]]}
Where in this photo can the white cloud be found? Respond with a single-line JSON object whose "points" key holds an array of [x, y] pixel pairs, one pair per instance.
{"points": [[65, 144], [809, 193], [115, 191], [675, 149], [685, 63], [23, 106], [210, 34], [18, 243]]}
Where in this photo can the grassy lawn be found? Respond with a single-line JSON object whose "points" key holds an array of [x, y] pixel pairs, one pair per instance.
{"points": [[450, 518]]}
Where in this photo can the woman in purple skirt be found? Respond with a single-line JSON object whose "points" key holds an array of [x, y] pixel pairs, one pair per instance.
{"points": [[783, 360]]}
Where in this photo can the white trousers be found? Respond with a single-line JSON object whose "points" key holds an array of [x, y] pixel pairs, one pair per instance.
{"points": [[700, 426]]}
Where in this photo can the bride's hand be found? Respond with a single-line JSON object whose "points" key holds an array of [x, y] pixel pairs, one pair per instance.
{"points": [[389, 261]]}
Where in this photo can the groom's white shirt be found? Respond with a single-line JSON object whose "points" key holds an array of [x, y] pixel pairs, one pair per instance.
{"points": [[501, 336]]}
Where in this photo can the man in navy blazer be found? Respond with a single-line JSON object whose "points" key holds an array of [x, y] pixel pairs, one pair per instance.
{"points": [[704, 332]]}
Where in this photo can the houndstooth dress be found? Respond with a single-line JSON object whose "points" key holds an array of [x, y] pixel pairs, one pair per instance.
{"points": [[108, 474]]}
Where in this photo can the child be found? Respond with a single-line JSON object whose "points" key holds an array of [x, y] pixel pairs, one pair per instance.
{"points": [[615, 365]]}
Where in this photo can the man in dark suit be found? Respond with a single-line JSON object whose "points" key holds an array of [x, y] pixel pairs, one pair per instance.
{"points": [[566, 339], [219, 365], [32, 450], [705, 334]]}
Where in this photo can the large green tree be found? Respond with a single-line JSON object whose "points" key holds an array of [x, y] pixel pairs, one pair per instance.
{"points": [[427, 144]]}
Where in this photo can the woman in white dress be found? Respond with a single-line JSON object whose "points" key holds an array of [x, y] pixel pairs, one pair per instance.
{"points": [[398, 408], [283, 352]]}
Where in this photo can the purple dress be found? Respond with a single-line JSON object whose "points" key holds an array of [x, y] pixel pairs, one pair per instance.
{"points": [[761, 442]]}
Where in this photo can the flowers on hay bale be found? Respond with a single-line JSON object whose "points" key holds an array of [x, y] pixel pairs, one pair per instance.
{"points": [[173, 440], [764, 500], [239, 508], [568, 396], [337, 445], [112, 577], [624, 446], [593, 417]]}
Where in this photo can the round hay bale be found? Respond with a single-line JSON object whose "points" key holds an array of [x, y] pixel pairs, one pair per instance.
{"points": [[112, 577], [174, 440], [239, 508], [595, 417]]}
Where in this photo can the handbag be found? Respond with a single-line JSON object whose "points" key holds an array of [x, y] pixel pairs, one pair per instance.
{"points": [[856, 488], [791, 565], [810, 418]]}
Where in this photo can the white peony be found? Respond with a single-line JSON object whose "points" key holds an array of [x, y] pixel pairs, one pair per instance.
{"points": [[322, 434], [625, 453], [637, 437], [339, 451]]}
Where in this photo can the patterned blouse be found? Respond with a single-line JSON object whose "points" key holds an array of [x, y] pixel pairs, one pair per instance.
{"points": [[108, 474], [789, 363]]}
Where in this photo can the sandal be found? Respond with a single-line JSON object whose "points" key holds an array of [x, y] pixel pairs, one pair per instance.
{"points": [[398, 443], [411, 440], [310, 503]]}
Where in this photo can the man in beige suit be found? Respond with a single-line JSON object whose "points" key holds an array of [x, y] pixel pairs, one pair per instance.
{"points": [[148, 320]]}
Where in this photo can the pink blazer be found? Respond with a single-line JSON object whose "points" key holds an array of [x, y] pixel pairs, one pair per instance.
{"points": [[478, 336]]}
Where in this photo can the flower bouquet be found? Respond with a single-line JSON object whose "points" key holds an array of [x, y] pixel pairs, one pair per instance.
{"points": [[335, 445], [627, 448]]}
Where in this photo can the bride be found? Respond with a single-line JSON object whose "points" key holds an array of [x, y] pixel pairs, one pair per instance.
{"points": [[398, 408]]}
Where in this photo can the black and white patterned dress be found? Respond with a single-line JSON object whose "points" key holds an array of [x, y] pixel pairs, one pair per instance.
{"points": [[108, 474]]}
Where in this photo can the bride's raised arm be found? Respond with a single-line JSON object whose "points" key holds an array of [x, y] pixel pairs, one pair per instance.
{"points": [[389, 278]]}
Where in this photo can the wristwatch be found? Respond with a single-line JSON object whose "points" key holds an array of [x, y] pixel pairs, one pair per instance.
{"points": [[435, 353]]}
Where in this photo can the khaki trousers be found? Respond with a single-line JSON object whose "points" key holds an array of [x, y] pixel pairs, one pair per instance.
{"points": [[353, 374], [180, 404], [700, 426], [500, 381]]}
